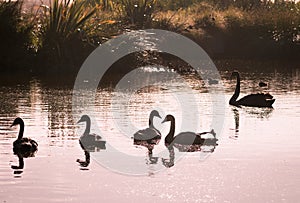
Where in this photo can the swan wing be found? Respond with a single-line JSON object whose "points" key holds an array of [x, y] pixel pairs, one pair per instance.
{"points": [[258, 100], [92, 141], [186, 138], [25, 147], [147, 134]]}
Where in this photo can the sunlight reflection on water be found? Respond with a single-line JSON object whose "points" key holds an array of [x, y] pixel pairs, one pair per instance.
{"points": [[257, 157]]}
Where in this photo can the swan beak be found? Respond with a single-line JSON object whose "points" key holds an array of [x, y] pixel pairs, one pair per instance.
{"points": [[80, 121], [165, 120], [159, 116]]}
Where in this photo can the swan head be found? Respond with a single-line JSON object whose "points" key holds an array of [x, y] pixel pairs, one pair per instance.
{"points": [[154, 113], [84, 118], [17, 121], [168, 118], [234, 74]]}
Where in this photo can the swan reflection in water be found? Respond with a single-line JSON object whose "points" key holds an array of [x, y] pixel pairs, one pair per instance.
{"points": [[236, 116], [89, 142], [149, 144], [23, 147], [204, 148], [262, 113]]}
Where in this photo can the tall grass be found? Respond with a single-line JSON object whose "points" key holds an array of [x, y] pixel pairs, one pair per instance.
{"points": [[64, 21], [63, 30], [138, 12]]}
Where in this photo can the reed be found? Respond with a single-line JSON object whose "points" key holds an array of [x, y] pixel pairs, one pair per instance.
{"points": [[63, 21]]}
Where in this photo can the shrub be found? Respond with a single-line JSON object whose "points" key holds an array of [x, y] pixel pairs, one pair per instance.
{"points": [[15, 36], [138, 12]]}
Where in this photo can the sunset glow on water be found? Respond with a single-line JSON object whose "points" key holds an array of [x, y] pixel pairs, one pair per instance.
{"points": [[257, 158]]}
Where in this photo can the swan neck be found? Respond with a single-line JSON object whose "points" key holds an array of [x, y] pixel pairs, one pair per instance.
{"points": [[237, 90], [151, 122], [170, 136], [88, 127], [21, 131]]}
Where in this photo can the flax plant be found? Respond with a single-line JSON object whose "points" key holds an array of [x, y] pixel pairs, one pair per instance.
{"points": [[64, 21]]}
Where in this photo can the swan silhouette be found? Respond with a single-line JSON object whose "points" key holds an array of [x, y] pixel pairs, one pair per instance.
{"points": [[187, 138], [23, 146], [253, 100], [90, 141], [150, 135]]}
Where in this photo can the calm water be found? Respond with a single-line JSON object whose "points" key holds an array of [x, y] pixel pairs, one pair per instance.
{"points": [[257, 158]]}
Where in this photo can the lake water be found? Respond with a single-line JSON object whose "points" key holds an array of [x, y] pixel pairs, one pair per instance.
{"points": [[257, 158]]}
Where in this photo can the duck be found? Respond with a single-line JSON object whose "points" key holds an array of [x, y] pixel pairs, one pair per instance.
{"points": [[252, 100], [149, 135], [187, 138], [23, 146], [90, 141], [262, 84], [212, 81]]}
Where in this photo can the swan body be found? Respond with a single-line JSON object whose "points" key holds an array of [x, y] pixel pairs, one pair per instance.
{"points": [[187, 138], [150, 135], [90, 141], [23, 146], [252, 100]]}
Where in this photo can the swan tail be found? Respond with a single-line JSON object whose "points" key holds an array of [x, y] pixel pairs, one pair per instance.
{"points": [[213, 133]]}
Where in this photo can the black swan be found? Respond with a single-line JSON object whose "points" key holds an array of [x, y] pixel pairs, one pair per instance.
{"points": [[150, 135], [187, 138], [253, 100], [23, 146], [90, 141]]}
